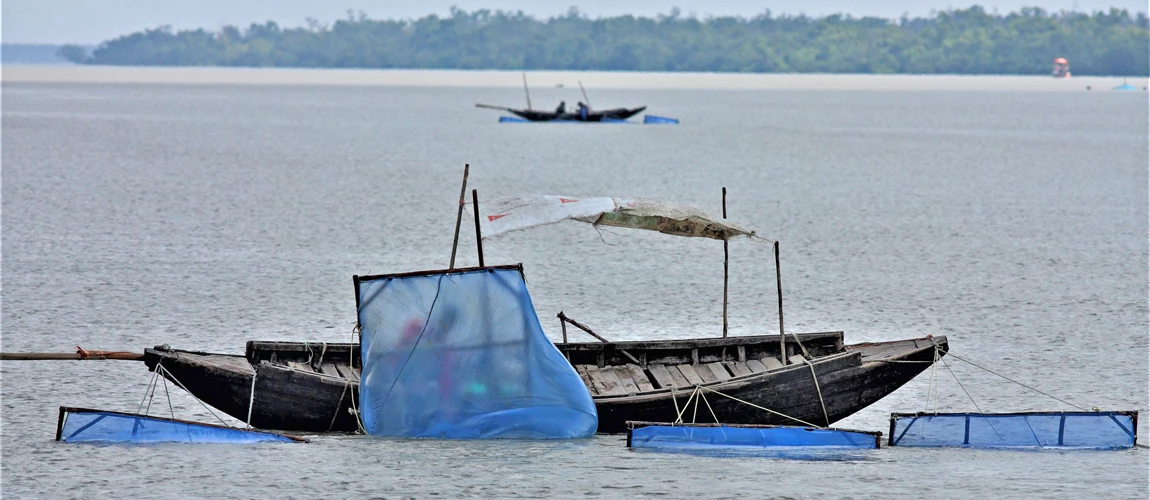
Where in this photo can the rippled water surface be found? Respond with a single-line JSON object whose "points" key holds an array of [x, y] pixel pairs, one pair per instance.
{"points": [[203, 216]]}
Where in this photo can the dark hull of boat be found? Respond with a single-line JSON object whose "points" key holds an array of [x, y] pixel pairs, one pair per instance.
{"points": [[314, 387], [594, 116]]}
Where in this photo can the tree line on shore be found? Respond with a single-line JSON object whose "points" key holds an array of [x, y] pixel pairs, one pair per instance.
{"points": [[957, 41]]}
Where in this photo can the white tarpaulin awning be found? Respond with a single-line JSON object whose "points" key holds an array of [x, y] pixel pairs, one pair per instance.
{"points": [[503, 215]]}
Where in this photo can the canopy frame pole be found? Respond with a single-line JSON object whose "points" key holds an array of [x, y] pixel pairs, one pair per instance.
{"points": [[726, 263], [779, 282], [478, 232], [459, 216]]}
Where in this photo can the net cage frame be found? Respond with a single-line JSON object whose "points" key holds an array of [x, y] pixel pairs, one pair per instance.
{"points": [[631, 425], [892, 440], [65, 410]]}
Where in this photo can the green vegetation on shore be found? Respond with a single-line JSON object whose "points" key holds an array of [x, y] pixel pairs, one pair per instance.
{"points": [[966, 41]]}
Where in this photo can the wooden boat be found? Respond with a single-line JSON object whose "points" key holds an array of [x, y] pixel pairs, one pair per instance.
{"points": [[313, 386], [600, 115]]}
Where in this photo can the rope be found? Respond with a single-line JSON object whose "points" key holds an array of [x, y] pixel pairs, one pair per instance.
{"points": [[252, 397], [169, 396], [992, 372], [768, 410], [355, 331], [932, 385], [146, 389], [819, 390], [339, 404], [181, 386], [960, 385]]}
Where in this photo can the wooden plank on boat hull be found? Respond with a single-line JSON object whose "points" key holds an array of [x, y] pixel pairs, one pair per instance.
{"points": [[718, 370], [640, 378], [692, 377], [772, 363], [624, 376], [662, 376], [582, 371], [739, 369], [756, 366], [606, 382]]}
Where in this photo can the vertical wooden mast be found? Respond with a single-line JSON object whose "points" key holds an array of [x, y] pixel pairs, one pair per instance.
{"points": [[779, 281], [459, 215], [726, 262], [478, 233]]}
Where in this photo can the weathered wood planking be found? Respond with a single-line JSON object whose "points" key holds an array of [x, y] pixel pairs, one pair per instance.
{"points": [[739, 369], [756, 366], [797, 359], [718, 370], [640, 378], [772, 363], [705, 373], [662, 376], [624, 375], [690, 374], [582, 371], [329, 369], [606, 381]]}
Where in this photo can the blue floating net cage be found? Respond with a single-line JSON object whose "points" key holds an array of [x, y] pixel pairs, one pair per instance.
{"points": [[1033, 430], [680, 435], [460, 354], [731, 436], [83, 425]]}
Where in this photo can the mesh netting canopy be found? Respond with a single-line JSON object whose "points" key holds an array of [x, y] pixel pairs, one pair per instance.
{"points": [[503, 215], [81, 425], [1093, 430], [646, 435], [461, 354]]}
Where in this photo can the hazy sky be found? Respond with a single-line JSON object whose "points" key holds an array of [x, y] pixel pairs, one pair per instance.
{"points": [[93, 21]]}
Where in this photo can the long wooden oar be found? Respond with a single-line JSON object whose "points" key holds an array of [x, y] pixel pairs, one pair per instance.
{"points": [[80, 354], [488, 106]]}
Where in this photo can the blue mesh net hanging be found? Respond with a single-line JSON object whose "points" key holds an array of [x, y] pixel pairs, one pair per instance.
{"points": [[461, 355], [81, 425], [1083, 430], [696, 436]]}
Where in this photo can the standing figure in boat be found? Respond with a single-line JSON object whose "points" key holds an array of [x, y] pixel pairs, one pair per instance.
{"points": [[583, 110], [562, 108], [1061, 68]]}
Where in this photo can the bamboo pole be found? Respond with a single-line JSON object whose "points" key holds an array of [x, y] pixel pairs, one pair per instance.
{"points": [[525, 91], [726, 263], [779, 281], [95, 355], [478, 233], [459, 215]]}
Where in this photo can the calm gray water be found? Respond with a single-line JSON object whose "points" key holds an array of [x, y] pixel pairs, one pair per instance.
{"points": [[204, 216]]}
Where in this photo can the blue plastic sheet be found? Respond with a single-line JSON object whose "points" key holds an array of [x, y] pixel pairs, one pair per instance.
{"points": [[461, 355], [1082, 430], [512, 119], [660, 120], [690, 436], [79, 425]]}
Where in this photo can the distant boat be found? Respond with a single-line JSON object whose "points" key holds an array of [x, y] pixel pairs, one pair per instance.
{"points": [[583, 113], [535, 115]]}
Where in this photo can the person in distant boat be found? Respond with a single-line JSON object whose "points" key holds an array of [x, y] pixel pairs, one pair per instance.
{"points": [[562, 108], [583, 110]]}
